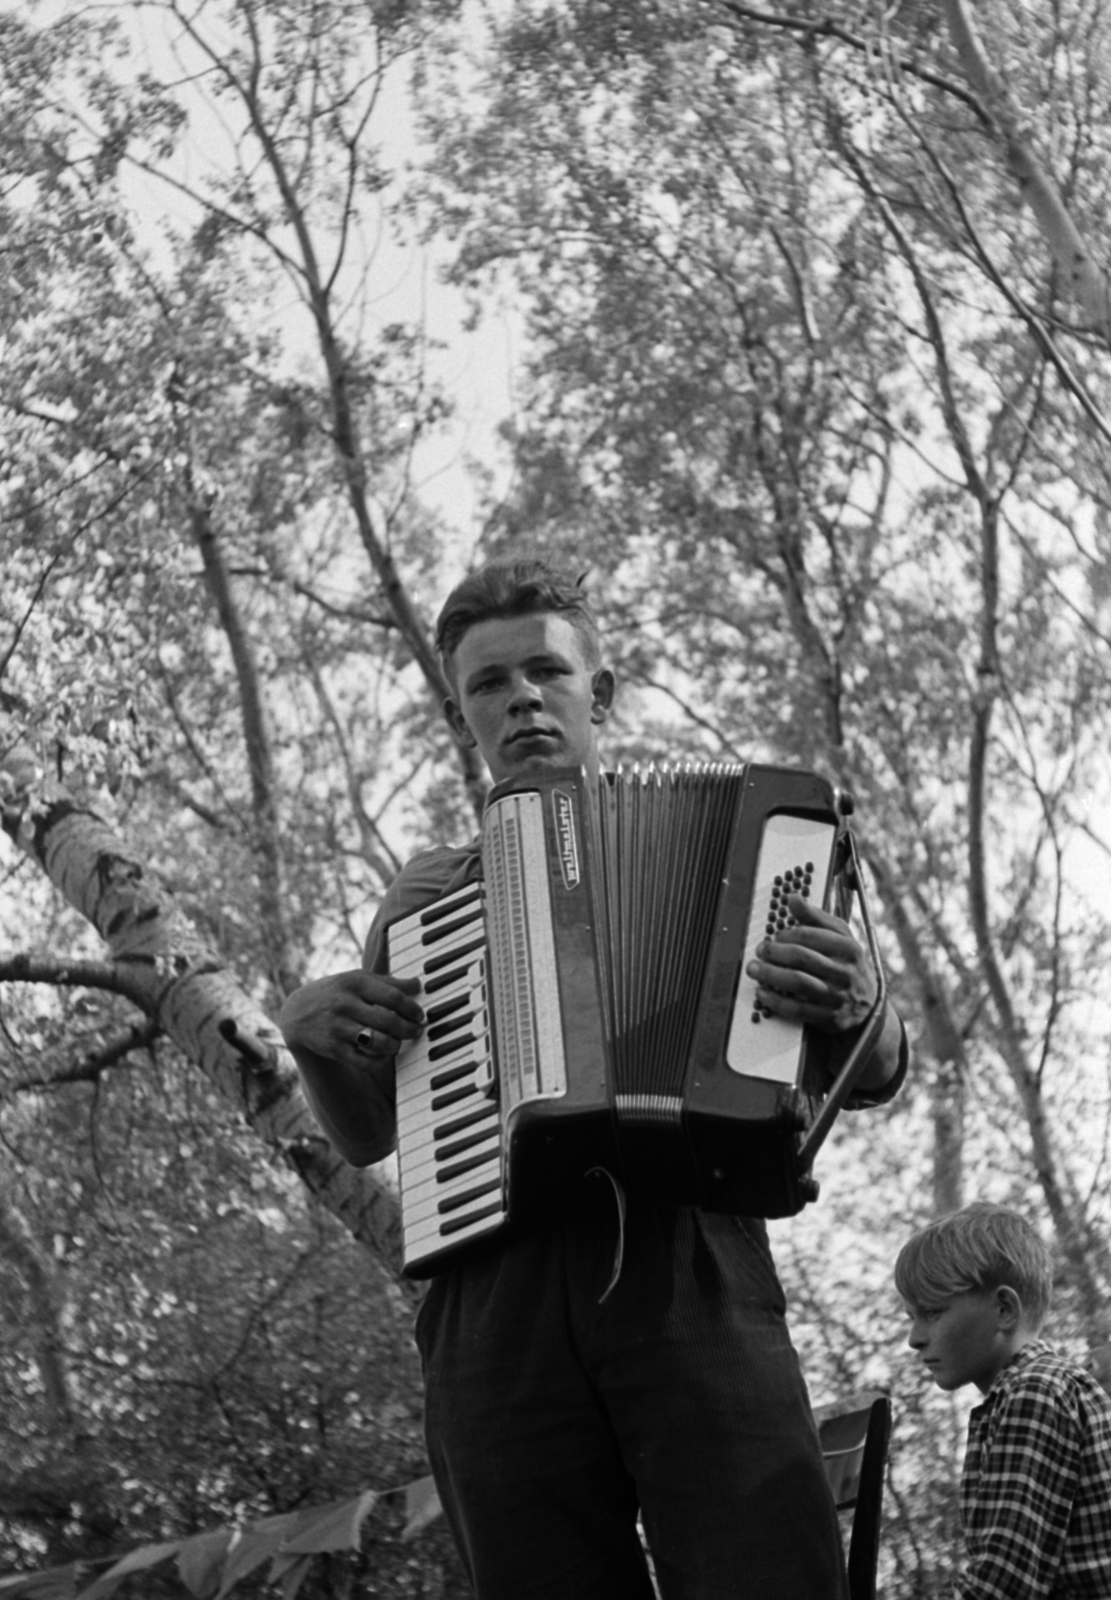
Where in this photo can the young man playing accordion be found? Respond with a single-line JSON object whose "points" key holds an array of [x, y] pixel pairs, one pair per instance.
{"points": [[557, 1411]]}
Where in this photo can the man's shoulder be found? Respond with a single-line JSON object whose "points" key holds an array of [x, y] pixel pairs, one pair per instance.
{"points": [[437, 862], [428, 875], [425, 877]]}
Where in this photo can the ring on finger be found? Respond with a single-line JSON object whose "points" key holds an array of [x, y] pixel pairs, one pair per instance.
{"points": [[364, 1041]]}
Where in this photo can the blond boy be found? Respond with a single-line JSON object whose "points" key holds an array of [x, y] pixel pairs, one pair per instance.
{"points": [[1035, 1499]]}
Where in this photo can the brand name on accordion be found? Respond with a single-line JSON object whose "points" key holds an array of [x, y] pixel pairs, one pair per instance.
{"points": [[564, 812]]}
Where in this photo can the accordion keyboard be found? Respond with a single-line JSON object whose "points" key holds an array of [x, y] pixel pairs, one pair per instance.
{"points": [[450, 1152]]}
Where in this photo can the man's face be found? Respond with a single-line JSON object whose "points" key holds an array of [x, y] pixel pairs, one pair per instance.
{"points": [[526, 696], [965, 1339]]}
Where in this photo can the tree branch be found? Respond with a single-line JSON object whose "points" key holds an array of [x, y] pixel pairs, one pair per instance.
{"points": [[1089, 285], [90, 1066], [828, 29], [283, 974], [105, 975]]}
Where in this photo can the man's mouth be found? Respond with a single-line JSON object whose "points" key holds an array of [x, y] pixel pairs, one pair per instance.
{"points": [[525, 734]]}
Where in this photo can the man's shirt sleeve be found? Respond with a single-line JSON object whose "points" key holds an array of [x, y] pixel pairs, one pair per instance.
{"points": [[864, 1099], [1017, 1493], [422, 880]]}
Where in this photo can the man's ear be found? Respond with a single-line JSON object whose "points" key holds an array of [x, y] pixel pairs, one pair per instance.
{"points": [[1008, 1308], [460, 732], [603, 688]]}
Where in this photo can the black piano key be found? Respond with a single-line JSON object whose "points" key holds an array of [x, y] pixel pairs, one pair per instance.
{"points": [[457, 1146], [448, 1047], [440, 1030], [483, 1113], [443, 930], [444, 980], [451, 1096], [454, 1201], [438, 963], [450, 1075], [440, 909], [457, 1224], [444, 1008], [471, 1164]]}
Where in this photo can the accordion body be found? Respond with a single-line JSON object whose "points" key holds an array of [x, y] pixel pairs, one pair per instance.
{"points": [[587, 1005]]}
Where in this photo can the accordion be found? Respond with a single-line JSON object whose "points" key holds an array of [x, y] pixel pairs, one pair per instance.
{"points": [[587, 1006]]}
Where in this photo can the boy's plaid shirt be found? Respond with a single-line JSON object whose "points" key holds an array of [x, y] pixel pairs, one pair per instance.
{"points": [[1036, 1487]]}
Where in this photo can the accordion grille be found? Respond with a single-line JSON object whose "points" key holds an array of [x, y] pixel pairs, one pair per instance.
{"points": [[665, 838]]}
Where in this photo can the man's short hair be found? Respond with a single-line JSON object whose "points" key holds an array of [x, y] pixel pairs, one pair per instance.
{"points": [[515, 589], [982, 1246]]}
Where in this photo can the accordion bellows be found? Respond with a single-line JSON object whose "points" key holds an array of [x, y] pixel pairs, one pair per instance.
{"points": [[587, 1005]]}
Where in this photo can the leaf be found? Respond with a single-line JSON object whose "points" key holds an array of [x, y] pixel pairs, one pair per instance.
{"points": [[256, 1544], [56, 1583], [200, 1560], [282, 1565], [295, 1577], [331, 1527], [422, 1506], [146, 1556]]}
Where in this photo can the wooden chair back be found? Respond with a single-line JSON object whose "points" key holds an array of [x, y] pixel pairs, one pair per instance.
{"points": [[855, 1434]]}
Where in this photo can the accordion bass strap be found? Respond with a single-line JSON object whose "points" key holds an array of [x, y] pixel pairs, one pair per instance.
{"points": [[861, 1052]]}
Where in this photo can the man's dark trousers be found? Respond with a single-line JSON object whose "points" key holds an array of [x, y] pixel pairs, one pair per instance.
{"points": [[553, 1414]]}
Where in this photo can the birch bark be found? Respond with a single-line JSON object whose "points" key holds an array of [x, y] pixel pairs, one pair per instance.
{"points": [[1086, 279]]}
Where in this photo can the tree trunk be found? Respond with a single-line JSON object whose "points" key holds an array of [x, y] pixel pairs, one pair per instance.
{"points": [[1087, 282]]}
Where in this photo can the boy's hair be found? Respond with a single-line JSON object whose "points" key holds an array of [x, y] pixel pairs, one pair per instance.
{"points": [[982, 1246], [515, 589]]}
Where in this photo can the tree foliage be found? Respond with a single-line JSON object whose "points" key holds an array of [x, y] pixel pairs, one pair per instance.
{"points": [[183, 615]]}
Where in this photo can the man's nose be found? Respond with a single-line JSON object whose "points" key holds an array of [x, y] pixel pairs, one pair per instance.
{"points": [[916, 1338], [524, 693]]}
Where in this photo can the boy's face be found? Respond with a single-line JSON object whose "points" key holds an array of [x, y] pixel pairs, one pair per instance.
{"points": [[525, 695], [968, 1339]]}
